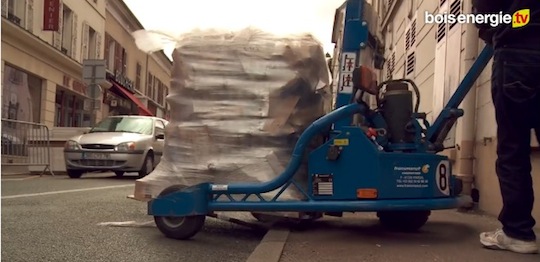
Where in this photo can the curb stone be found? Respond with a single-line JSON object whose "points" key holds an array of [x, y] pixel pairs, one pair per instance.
{"points": [[271, 246]]}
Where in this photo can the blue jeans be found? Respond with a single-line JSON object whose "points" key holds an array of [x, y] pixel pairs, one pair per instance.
{"points": [[515, 87]]}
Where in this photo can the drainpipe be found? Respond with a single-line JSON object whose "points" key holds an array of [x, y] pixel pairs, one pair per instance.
{"points": [[465, 134]]}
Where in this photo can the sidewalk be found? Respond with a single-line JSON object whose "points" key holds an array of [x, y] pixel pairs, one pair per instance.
{"points": [[448, 236]]}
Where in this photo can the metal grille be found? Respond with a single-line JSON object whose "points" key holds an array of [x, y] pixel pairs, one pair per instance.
{"points": [[97, 146], [98, 162], [26, 144]]}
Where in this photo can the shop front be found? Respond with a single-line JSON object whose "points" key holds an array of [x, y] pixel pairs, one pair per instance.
{"points": [[21, 95], [72, 104], [121, 98], [118, 105]]}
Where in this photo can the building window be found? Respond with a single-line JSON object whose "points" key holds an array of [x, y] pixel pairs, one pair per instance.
{"points": [[157, 83], [17, 12], [92, 43], [21, 95], [71, 110], [67, 30], [115, 55], [110, 46], [160, 93], [150, 85], [138, 71], [123, 58]]}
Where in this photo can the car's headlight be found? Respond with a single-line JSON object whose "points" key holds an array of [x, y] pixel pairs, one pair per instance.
{"points": [[72, 145], [128, 146]]}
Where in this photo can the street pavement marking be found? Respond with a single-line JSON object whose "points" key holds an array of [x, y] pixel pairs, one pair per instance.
{"points": [[19, 179], [64, 191], [150, 223]]}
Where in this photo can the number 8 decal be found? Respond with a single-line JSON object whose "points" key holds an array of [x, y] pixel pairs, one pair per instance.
{"points": [[443, 177]]}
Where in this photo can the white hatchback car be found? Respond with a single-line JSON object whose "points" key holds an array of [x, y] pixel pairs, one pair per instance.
{"points": [[117, 143]]}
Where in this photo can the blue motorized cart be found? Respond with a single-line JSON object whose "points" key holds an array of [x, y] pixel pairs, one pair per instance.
{"points": [[387, 162]]}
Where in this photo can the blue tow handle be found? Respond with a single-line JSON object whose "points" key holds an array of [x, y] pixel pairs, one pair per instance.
{"points": [[463, 89]]}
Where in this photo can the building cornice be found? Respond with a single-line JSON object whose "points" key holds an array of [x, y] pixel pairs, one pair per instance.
{"points": [[129, 22]]}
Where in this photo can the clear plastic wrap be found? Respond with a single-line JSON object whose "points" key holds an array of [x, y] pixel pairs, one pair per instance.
{"points": [[239, 101]]}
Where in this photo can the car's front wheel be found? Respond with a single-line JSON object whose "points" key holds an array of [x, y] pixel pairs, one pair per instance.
{"points": [[148, 165], [74, 173]]}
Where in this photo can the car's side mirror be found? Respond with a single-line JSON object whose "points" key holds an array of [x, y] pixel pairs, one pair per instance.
{"points": [[160, 136]]}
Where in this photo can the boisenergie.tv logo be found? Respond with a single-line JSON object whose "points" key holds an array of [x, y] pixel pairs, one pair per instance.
{"points": [[518, 19]]}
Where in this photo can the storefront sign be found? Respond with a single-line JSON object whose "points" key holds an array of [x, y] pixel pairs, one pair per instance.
{"points": [[51, 15], [118, 101], [124, 81], [75, 85]]}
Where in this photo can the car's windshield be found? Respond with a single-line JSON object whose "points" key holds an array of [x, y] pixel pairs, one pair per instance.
{"points": [[140, 125]]}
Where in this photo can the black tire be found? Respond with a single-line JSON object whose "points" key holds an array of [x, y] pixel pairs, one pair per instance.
{"points": [[180, 228], [405, 221], [74, 173], [119, 173], [145, 169]]}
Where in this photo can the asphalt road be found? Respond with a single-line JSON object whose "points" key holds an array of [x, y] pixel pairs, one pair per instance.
{"points": [[57, 219]]}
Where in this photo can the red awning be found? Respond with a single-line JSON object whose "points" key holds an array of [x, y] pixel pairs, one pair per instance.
{"points": [[142, 108]]}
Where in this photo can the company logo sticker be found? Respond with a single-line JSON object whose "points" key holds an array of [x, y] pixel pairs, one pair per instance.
{"points": [[521, 18]]}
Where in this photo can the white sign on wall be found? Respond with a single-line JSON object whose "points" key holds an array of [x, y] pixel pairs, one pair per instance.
{"points": [[348, 63]]}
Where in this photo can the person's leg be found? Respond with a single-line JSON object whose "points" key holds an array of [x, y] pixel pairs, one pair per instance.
{"points": [[515, 93], [537, 134]]}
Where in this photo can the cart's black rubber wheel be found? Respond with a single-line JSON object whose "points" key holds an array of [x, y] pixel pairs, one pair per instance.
{"points": [[180, 228], [119, 173], [406, 221]]}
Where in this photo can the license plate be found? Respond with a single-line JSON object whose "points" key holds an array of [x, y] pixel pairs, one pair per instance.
{"points": [[95, 156]]}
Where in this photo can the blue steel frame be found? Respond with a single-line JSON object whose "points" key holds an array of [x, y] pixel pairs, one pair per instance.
{"points": [[355, 37], [202, 199]]}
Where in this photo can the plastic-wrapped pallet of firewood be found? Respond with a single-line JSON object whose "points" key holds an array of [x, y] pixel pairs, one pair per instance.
{"points": [[239, 101]]}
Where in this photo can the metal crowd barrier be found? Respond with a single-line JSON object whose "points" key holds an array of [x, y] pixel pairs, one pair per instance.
{"points": [[26, 144]]}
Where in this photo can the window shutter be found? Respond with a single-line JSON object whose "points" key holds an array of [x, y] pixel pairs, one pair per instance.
{"points": [[98, 45], [57, 35], [74, 53], [117, 58], [84, 40], [124, 61], [410, 50], [5, 8], [106, 49], [30, 15]]}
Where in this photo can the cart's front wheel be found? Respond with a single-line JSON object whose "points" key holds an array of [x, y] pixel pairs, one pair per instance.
{"points": [[404, 220], [179, 227]]}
